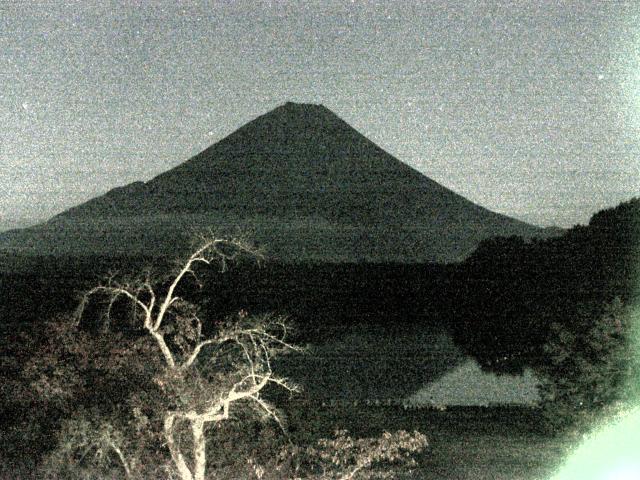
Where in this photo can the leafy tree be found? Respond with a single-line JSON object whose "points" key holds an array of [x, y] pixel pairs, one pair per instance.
{"points": [[590, 364], [167, 384]]}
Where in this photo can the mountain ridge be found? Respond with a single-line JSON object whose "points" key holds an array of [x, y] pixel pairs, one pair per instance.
{"points": [[299, 164]]}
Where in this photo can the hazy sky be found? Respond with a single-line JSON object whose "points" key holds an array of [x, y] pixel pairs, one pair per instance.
{"points": [[529, 108]]}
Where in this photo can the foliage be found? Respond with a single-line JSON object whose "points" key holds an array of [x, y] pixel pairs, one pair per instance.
{"points": [[340, 457], [590, 361], [510, 292], [343, 457]]}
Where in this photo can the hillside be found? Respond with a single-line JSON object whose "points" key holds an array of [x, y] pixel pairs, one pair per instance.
{"points": [[300, 181]]}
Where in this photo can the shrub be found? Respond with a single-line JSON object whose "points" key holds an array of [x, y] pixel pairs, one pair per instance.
{"points": [[590, 362], [343, 457]]}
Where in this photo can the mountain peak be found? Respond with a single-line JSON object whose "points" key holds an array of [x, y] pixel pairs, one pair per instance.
{"points": [[309, 110], [303, 106]]}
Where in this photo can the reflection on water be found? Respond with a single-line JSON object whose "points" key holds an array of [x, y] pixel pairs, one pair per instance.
{"points": [[468, 385]]}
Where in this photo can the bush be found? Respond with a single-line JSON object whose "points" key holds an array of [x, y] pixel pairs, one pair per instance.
{"points": [[344, 457], [590, 364]]}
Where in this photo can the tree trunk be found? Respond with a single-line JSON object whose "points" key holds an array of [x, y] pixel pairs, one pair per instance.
{"points": [[199, 449], [176, 455]]}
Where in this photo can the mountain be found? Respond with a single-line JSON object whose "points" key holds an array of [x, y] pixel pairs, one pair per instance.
{"points": [[301, 181]]}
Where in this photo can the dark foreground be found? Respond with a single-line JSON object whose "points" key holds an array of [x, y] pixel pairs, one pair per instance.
{"points": [[464, 443]]}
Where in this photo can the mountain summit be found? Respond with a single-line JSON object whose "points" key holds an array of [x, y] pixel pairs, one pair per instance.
{"points": [[304, 182]]}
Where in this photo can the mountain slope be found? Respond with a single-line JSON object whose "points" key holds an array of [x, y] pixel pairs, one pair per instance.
{"points": [[304, 182]]}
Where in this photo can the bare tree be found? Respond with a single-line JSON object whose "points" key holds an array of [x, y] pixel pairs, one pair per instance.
{"points": [[138, 406], [206, 370]]}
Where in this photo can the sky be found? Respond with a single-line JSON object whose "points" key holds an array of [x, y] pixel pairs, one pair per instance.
{"points": [[531, 109]]}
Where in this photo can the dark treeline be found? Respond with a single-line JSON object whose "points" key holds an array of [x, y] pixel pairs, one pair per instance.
{"points": [[327, 299], [322, 298], [509, 292], [499, 303]]}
